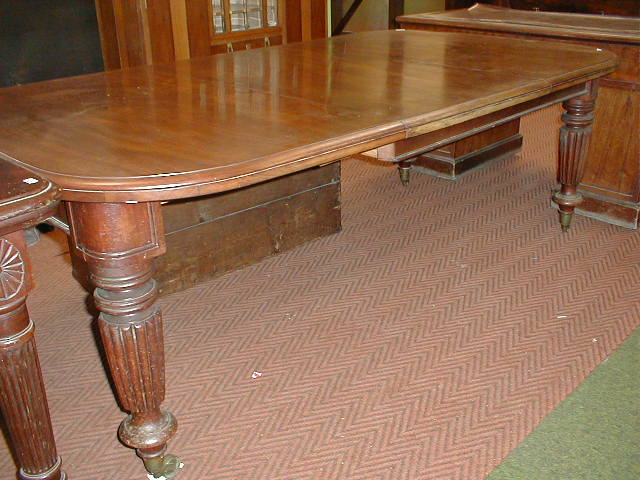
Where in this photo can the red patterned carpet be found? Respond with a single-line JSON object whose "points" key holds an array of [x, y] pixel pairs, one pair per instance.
{"points": [[423, 342]]}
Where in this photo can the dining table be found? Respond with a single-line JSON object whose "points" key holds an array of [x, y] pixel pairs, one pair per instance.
{"points": [[118, 144]]}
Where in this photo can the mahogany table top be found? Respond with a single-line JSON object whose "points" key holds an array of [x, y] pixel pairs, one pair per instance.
{"points": [[216, 123]]}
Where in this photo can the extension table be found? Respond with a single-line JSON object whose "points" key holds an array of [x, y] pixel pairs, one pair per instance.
{"points": [[119, 143]]}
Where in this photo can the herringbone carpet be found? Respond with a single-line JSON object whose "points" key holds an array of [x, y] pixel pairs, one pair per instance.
{"points": [[423, 342]]}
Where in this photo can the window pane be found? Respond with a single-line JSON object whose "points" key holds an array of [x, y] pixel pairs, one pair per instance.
{"points": [[255, 19], [238, 5], [238, 21], [272, 12], [245, 15], [218, 23]]}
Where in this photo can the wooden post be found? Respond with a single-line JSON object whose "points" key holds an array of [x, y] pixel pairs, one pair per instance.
{"points": [[118, 241], [23, 401], [396, 8], [575, 135]]}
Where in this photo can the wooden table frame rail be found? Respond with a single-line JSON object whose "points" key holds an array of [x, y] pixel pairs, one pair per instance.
{"points": [[404, 152]]}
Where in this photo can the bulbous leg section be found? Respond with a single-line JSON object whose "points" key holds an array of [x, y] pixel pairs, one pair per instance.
{"points": [[142, 432]]}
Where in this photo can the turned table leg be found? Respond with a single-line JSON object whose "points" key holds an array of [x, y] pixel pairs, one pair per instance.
{"points": [[575, 135], [22, 396], [118, 241]]}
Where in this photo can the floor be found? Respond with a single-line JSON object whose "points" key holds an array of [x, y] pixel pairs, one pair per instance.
{"points": [[423, 342], [594, 434]]}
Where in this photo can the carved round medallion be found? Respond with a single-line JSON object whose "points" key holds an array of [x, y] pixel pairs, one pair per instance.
{"points": [[12, 270]]}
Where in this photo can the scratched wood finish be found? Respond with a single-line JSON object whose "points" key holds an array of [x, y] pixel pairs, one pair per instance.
{"points": [[599, 7], [25, 198], [173, 131], [552, 24], [23, 401], [611, 182], [210, 236]]}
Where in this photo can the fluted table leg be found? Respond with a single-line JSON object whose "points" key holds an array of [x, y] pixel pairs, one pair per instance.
{"points": [[22, 396], [118, 241], [575, 135]]}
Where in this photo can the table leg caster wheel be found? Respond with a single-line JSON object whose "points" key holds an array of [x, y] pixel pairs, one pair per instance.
{"points": [[404, 170], [165, 466], [565, 220], [566, 203]]}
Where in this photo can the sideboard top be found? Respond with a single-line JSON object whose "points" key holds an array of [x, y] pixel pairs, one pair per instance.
{"points": [[574, 25]]}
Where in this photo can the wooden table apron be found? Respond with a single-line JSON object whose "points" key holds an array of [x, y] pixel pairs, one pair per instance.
{"points": [[119, 143]]}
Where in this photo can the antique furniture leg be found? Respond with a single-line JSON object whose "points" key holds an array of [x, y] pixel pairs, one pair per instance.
{"points": [[118, 241], [404, 170], [22, 396], [574, 144]]}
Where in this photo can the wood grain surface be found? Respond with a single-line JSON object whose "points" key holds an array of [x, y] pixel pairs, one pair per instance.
{"points": [[489, 17], [213, 124], [598, 7], [25, 198], [611, 182]]}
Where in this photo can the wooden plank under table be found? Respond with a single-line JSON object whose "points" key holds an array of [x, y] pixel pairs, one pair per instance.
{"points": [[119, 143], [611, 183]]}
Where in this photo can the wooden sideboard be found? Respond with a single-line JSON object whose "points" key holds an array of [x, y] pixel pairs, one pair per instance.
{"points": [[598, 7], [611, 183]]}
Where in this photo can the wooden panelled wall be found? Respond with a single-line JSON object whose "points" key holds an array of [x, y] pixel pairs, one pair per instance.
{"points": [[139, 32]]}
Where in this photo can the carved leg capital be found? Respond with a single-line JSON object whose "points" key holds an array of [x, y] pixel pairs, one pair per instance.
{"points": [[575, 136], [118, 241]]}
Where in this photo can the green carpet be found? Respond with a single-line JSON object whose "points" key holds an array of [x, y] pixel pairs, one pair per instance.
{"points": [[594, 434]]}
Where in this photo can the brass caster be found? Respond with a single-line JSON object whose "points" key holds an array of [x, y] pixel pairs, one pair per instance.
{"points": [[404, 175], [565, 221], [565, 203], [165, 466], [53, 472]]}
